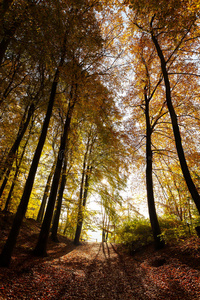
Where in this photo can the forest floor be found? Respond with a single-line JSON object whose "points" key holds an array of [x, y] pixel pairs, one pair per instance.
{"points": [[99, 270]]}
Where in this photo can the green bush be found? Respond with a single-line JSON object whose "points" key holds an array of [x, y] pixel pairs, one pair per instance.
{"points": [[134, 234], [137, 233], [174, 229]]}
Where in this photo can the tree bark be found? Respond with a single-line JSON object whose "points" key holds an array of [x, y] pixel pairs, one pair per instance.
{"points": [[16, 173], [79, 218], [181, 155], [40, 249], [56, 218], [7, 165], [45, 196], [159, 243], [82, 206]]}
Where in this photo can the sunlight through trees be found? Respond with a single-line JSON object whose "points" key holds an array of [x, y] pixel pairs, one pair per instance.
{"points": [[99, 103]]}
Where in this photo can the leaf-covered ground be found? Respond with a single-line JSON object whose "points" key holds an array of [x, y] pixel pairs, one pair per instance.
{"points": [[100, 271]]}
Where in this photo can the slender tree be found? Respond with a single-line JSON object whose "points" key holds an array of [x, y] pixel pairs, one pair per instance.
{"points": [[17, 170], [149, 179], [82, 205], [46, 194], [7, 164], [184, 167], [54, 228], [83, 189], [170, 24]]}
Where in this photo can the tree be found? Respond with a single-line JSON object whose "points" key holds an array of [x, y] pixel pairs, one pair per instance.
{"points": [[55, 223], [149, 180], [175, 37], [40, 249], [46, 194], [86, 173], [85, 53], [7, 165], [39, 17], [16, 174], [10, 23], [6, 253], [186, 173]]}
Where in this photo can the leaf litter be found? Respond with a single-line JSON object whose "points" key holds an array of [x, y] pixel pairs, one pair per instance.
{"points": [[102, 271]]}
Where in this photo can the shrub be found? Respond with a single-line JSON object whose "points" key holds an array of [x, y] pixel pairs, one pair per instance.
{"points": [[134, 234], [174, 229], [137, 233]]}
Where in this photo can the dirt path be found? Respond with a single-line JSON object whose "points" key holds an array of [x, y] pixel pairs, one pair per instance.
{"points": [[100, 271]]}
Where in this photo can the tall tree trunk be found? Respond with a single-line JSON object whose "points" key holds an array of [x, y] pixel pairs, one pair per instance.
{"points": [[17, 172], [56, 218], [7, 165], [6, 208], [46, 194], [79, 218], [149, 181], [5, 256], [84, 187], [4, 182], [82, 206], [184, 167], [87, 178], [40, 249]]}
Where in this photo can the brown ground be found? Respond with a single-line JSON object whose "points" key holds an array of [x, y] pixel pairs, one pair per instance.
{"points": [[99, 271]]}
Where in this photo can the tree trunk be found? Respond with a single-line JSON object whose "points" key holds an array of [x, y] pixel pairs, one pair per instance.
{"points": [[184, 167], [79, 218], [16, 173], [149, 182], [6, 253], [82, 206], [4, 182], [40, 249], [56, 218], [87, 178], [45, 196], [6, 208], [7, 165]]}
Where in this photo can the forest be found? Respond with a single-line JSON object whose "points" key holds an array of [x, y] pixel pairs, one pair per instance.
{"points": [[99, 121]]}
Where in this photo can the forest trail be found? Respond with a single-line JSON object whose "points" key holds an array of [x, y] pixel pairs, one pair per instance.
{"points": [[102, 271]]}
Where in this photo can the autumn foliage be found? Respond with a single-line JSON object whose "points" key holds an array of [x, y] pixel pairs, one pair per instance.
{"points": [[99, 120]]}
